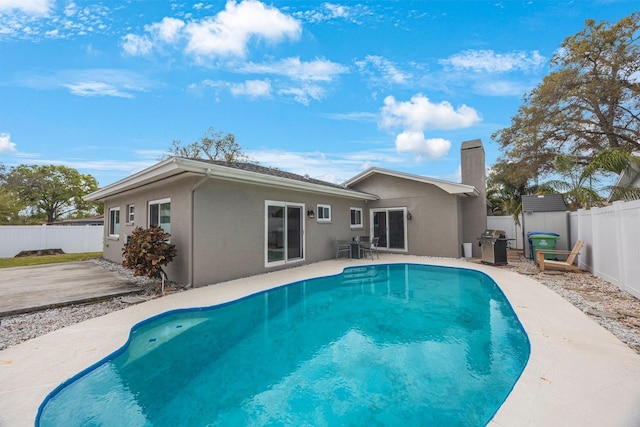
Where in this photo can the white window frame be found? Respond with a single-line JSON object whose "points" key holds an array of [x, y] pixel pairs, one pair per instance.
{"points": [[285, 259], [356, 225], [114, 223], [405, 221], [322, 208], [131, 210], [159, 202]]}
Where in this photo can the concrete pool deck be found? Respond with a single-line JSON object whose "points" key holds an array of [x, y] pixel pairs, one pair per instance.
{"points": [[578, 372]]}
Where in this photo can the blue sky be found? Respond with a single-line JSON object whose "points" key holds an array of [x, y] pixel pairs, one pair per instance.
{"points": [[326, 89]]}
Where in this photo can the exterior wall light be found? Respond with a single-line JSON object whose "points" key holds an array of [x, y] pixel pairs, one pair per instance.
{"points": [[311, 214], [409, 215]]}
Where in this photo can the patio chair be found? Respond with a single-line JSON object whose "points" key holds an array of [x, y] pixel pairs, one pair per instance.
{"points": [[343, 246], [370, 247], [561, 265]]}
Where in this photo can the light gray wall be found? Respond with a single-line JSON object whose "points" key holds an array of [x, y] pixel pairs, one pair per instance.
{"points": [[178, 192], [229, 239], [434, 229], [474, 209]]}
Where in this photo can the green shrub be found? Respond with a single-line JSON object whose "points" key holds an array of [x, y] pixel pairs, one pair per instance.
{"points": [[147, 251]]}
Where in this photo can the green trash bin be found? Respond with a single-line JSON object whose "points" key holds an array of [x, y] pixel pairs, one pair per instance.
{"points": [[543, 241]]}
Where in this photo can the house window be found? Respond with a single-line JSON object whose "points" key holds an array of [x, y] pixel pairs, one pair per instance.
{"points": [[160, 214], [114, 222], [324, 213], [130, 213], [356, 218], [284, 229]]}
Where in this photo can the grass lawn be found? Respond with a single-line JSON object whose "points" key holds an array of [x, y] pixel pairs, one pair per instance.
{"points": [[47, 259]]}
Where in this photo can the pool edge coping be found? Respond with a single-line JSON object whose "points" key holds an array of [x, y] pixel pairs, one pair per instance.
{"points": [[552, 389]]}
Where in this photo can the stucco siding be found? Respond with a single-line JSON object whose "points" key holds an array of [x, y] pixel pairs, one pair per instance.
{"points": [[229, 235], [178, 192], [434, 228]]}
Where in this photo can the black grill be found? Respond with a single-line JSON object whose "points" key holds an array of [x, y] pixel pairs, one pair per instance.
{"points": [[494, 247]]}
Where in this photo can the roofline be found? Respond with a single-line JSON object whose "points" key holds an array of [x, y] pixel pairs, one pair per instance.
{"points": [[175, 166], [449, 187]]}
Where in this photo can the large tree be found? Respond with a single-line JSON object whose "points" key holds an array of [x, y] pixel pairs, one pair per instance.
{"points": [[50, 191], [212, 146], [588, 103], [505, 188], [10, 206]]}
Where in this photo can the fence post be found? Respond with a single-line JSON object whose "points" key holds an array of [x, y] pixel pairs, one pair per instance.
{"points": [[596, 245], [617, 210], [44, 238]]}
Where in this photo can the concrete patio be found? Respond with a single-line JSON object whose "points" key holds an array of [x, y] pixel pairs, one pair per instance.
{"points": [[27, 289], [578, 373]]}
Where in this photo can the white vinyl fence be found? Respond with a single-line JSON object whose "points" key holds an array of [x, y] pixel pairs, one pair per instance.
{"points": [[611, 237], [612, 243], [69, 238], [507, 224]]}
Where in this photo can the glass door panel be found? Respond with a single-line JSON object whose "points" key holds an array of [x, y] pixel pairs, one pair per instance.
{"points": [[380, 227], [396, 229], [294, 232], [275, 233]]}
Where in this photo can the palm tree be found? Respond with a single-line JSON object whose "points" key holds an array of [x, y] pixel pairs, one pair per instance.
{"points": [[576, 183], [616, 161], [505, 191]]}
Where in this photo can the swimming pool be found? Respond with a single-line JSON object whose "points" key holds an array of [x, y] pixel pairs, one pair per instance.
{"points": [[387, 345]]}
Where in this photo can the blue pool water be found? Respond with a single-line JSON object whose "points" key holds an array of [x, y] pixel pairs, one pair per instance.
{"points": [[406, 344]]}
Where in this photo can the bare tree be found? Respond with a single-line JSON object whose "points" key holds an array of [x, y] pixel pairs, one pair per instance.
{"points": [[212, 146]]}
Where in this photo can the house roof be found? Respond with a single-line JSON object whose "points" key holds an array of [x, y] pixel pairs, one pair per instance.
{"points": [[449, 187], [543, 203], [230, 171]]}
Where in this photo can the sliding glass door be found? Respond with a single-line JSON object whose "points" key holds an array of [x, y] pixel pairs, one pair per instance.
{"points": [[284, 230], [390, 226]]}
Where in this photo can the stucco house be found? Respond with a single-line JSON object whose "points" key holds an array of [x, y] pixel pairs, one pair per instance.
{"points": [[232, 220]]}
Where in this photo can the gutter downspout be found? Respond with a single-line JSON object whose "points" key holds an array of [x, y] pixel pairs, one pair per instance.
{"points": [[192, 226]]}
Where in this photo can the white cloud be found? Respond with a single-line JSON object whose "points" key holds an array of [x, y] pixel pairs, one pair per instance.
{"points": [[415, 142], [331, 11], [294, 68], [502, 88], [6, 146], [96, 89], [390, 74], [229, 32], [90, 82], [30, 7], [253, 88], [491, 62], [71, 9], [136, 45], [305, 93], [167, 30], [330, 167], [420, 114], [355, 116]]}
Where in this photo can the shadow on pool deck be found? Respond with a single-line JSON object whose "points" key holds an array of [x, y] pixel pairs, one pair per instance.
{"points": [[29, 289]]}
